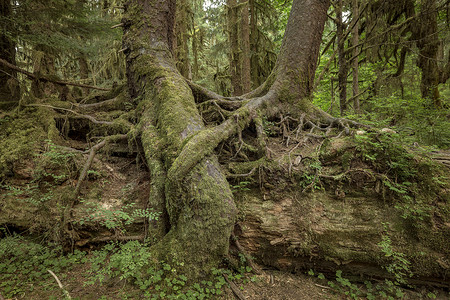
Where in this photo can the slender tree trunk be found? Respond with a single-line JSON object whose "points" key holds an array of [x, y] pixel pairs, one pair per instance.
{"points": [[343, 68], [182, 36], [428, 44], [43, 64], [195, 44], [355, 65], [297, 62], [245, 46], [9, 85], [253, 44], [235, 53], [84, 72]]}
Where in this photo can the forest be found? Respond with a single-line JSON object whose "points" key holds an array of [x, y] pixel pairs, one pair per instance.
{"points": [[224, 149]]}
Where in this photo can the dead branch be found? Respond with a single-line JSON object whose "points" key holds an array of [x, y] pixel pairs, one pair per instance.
{"points": [[116, 26], [88, 163], [66, 293], [44, 78], [90, 118], [206, 94], [229, 175]]}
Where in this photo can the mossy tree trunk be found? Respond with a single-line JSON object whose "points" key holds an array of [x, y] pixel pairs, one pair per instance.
{"points": [[199, 201], [428, 44], [187, 180]]}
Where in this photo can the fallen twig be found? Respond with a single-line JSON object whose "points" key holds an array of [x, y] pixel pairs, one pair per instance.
{"points": [[66, 293]]}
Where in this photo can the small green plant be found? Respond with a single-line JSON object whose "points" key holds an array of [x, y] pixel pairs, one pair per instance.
{"points": [[242, 186], [268, 127], [30, 193], [310, 178]]}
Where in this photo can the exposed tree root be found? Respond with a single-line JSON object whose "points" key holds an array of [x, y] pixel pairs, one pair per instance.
{"points": [[250, 261]]}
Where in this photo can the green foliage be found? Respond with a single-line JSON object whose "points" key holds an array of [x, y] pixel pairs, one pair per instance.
{"points": [[413, 118], [134, 262], [398, 266], [54, 165], [242, 186], [116, 219], [370, 291], [310, 179], [24, 265], [400, 174]]}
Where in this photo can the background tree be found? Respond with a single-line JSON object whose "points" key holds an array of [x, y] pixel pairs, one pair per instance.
{"points": [[9, 87]]}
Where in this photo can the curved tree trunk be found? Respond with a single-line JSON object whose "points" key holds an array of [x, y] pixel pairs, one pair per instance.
{"points": [[187, 179]]}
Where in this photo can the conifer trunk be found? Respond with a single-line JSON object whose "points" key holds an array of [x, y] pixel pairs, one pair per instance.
{"points": [[245, 45], [355, 64], [9, 87]]}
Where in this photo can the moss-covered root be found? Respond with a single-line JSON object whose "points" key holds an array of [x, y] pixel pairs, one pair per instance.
{"points": [[205, 211]]}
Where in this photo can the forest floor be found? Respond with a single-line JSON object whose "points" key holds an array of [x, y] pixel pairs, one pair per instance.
{"points": [[272, 285], [118, 178]]}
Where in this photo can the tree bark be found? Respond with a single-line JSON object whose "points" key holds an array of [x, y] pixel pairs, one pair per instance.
{"points": [[9, 84], [253, 44], [428, 44], [182, 35]]}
